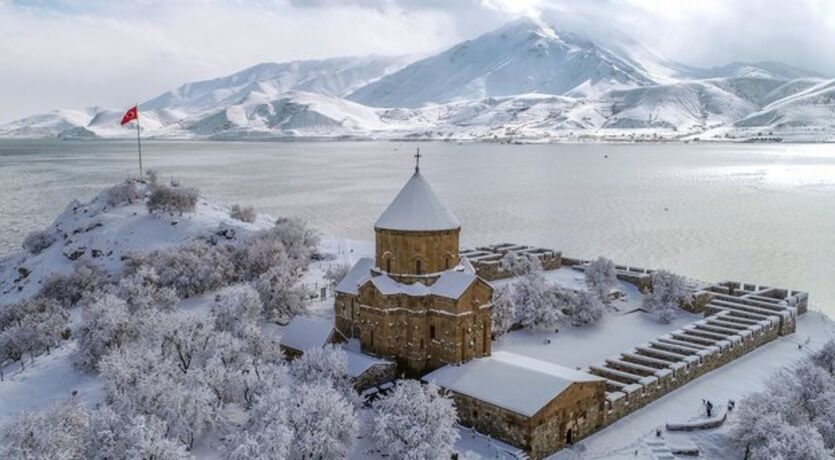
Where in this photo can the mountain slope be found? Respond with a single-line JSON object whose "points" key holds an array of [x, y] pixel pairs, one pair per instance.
{"points": [[524, 80], [335, 77], [524, 56]]}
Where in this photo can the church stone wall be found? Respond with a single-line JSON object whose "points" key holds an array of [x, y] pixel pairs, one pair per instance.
{"points": [[436, 250], [579, 409], [405, 334]]}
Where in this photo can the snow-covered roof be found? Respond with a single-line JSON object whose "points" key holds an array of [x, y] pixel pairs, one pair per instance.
{"points": [[417, 208], [514, 382], [305, 333], [450, 284], [466, 265], [356, 276], [358, 363]]}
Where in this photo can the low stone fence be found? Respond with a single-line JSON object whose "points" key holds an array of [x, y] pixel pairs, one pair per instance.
{"points": [[487, 259], [649, 371]]}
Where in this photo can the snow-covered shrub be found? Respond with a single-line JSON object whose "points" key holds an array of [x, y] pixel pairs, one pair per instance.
{"points": [[141, 290], [415, 422], [105, 325], [68, 290], [35, 242], [172, 200], [323, 422], [243, 213], [31, 326], [586, 308], [669, 292], [601, 277], [504, 310], [336, 273], [326, 365], [56, 432], [126, 192], [281, 294], [190, 270]]}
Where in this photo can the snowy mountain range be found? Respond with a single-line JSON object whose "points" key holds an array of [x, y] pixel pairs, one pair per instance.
{"points": [[525, 81]]}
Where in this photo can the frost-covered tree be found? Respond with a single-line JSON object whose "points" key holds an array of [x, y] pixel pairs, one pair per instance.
{"points": [[281, 294], [800, 400], [31, 326], [601, 277], [825, 357], [504, 310], [190, 270], [530, 292], [243, 213], [323, 422], [113, 436], [106, 324], [268, 433], [336, 273], [140, 381], [142, 289], [35, 242], [586, 307], [172, 200], [669, 292], [327, 365], [415, 422], [56, 432], [519, 265], [298, 238], [69, 290], [288, 246], [237, 308]]}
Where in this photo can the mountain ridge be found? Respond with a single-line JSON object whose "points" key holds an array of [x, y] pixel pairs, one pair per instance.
{"points": [[523, 81]]}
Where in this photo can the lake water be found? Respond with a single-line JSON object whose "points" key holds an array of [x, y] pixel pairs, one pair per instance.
{"points": [[758, 213]]}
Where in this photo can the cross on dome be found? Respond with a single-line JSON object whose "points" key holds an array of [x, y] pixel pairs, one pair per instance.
{"points": [[417, 160]]}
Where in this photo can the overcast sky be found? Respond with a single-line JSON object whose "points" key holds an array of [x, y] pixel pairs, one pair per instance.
{"points": [[78, 53]]}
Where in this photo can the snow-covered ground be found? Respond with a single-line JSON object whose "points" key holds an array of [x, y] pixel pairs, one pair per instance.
{"points": [[731, 382], [115, 231]]}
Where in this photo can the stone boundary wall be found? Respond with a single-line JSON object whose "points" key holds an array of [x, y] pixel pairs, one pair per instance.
{"points": [[487, 259], [638, 394]]}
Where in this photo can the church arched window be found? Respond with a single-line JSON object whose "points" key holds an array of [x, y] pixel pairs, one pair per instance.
{"points": [[388, 265], [417, 267]]}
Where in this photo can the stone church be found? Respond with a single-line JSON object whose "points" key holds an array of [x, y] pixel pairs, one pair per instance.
{"points": [[417, 302]]}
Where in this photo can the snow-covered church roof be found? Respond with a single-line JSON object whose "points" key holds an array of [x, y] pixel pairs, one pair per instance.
{"points": [[514, 382], [417, 208]]}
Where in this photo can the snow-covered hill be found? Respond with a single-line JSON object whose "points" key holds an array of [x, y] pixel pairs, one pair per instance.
{"points": [[104, 234], [524, 81]]}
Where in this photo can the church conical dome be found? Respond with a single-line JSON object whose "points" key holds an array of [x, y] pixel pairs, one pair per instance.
{"points": [[417, 208]]}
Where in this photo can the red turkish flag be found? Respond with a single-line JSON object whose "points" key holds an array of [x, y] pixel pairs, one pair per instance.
{"points": [[130, 115]]}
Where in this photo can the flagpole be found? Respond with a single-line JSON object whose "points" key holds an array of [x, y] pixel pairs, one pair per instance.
{"points": [[138, 142]]}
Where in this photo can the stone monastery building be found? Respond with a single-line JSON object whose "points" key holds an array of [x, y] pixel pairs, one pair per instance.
{"points": [[417, 302], [421, 305]]}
